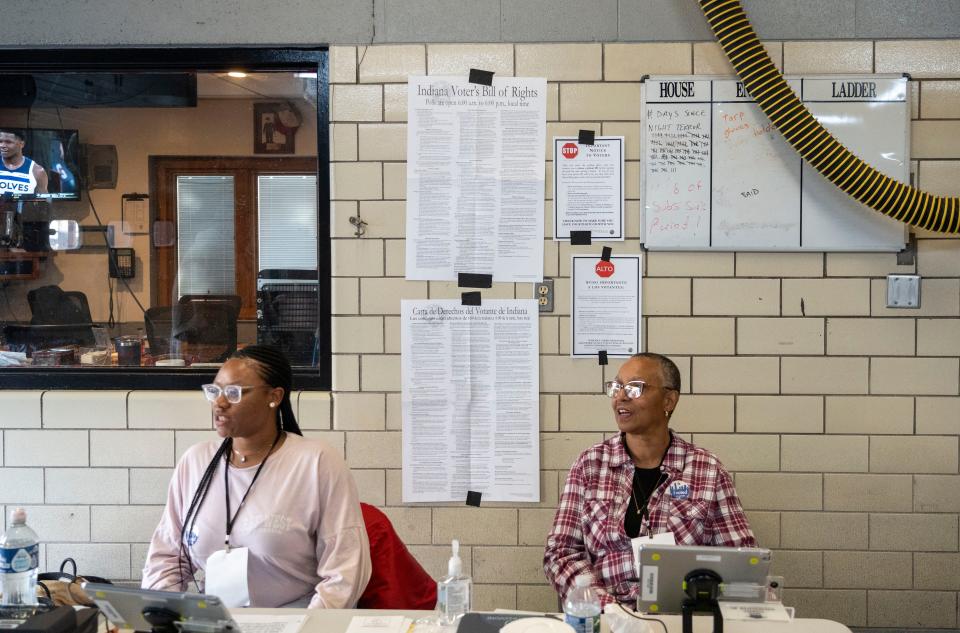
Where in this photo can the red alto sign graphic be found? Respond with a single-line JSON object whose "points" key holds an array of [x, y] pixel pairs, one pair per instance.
{"points": [[569, 150], [604, 269]]}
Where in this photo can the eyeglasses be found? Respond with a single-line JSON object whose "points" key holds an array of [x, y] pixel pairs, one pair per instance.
{"points": [[232, 393], [633, 389]]}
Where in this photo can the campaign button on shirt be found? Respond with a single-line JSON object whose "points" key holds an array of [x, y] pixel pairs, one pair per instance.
{"points": [[679, 490]]}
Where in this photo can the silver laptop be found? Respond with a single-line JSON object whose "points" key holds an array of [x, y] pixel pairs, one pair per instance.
{"points": [[662, 569], [124, 607]]}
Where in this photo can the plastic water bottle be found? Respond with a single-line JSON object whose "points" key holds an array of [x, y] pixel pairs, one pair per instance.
{"points": [[581, 609], [19, 560]]}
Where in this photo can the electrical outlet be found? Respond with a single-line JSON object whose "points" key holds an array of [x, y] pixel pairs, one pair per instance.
{"points": [[903, 291], [543, 293]]}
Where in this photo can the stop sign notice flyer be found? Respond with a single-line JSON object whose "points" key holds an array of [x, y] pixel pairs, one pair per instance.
{"points": [[605, 305], [588, 187]]}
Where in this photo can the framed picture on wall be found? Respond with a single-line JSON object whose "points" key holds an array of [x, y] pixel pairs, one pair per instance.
{"points": [[275, 125]]}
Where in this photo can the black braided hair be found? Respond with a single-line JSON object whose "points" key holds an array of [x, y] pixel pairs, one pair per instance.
{"points": [[274, 368], [190, 519]]}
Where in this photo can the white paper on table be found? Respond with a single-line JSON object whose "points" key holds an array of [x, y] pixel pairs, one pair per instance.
{"points": [[751, 611], [475, 172], [588, 187], [269, 623], [470, 400], [378, 624], [226, 576], [605, 305]]}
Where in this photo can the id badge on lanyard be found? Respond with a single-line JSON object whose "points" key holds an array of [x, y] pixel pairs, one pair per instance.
{"points": [[226, 575], [664, 538]]}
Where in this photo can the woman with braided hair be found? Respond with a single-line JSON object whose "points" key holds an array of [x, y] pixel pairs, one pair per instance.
{"points": [[281, 506]]}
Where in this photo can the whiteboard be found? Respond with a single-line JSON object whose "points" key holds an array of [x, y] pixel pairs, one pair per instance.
{"points": [[719, 176]]}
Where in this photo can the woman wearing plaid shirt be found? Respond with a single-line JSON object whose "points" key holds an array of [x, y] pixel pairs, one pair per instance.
{"points": [[643, 481]]}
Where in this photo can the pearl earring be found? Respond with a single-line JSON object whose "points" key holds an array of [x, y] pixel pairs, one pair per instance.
{"points": [[273, 405]]}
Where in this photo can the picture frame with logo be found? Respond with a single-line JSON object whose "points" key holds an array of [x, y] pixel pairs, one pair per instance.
{"points": [[275, 125]]}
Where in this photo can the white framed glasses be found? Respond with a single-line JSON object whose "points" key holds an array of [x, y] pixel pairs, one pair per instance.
{"points": [[233, 393], [633, 389]]}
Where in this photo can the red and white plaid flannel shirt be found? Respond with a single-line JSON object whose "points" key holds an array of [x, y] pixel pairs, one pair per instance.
{"points": [[588, 535]]}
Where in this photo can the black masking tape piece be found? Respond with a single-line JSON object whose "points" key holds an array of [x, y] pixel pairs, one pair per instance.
{"points": [[472, 280], [607, 252], [602, 357], [482, 77], [473, 498], [470, 298], [586, 137], [580, 238]]}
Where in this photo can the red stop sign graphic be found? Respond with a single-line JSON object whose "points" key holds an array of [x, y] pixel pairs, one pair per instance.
{"points": [[569, 150], [604, 269]]}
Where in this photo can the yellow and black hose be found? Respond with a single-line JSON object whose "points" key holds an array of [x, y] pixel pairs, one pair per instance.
{"points": [[811, 140]]}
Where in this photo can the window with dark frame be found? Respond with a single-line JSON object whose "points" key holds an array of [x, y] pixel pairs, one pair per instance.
{"points": [[189, 234]]}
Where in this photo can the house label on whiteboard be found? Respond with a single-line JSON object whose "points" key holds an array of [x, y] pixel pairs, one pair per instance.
{"points": [[678, 140]]}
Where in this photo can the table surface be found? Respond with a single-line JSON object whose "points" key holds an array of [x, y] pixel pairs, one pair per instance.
{"points": [[337, 621]]}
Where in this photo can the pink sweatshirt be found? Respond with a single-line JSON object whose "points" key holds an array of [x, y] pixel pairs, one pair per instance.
{"points": [[301, 521]]}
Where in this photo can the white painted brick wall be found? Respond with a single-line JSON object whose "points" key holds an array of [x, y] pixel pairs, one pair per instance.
{"points": [[123, 524], [21, 485], [169, 410], [186, 439], [60, 523], [20, 409], [109, 560], [46, 448], [85, 409], [131, 448], [87, 485], [149, 485]]}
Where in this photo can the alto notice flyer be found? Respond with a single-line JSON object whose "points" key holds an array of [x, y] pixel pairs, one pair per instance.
{"points": [[605, 310]]}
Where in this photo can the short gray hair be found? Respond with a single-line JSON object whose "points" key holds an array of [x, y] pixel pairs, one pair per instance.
{"points": [[669, 372]]}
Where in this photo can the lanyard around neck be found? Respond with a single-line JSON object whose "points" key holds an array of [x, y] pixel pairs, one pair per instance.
{"points": [[226, 487]]}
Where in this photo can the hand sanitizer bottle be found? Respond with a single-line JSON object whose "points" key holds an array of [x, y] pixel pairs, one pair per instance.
{"points": [[453, 592]]}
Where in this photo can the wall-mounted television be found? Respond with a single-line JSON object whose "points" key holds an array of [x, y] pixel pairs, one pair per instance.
{"points": [[57, 152]]}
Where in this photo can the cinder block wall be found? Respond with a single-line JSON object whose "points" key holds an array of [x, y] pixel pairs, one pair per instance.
{"points": [[840, 421]]}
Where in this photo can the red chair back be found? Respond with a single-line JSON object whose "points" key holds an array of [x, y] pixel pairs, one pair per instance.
{"points": [[398, 581]]}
